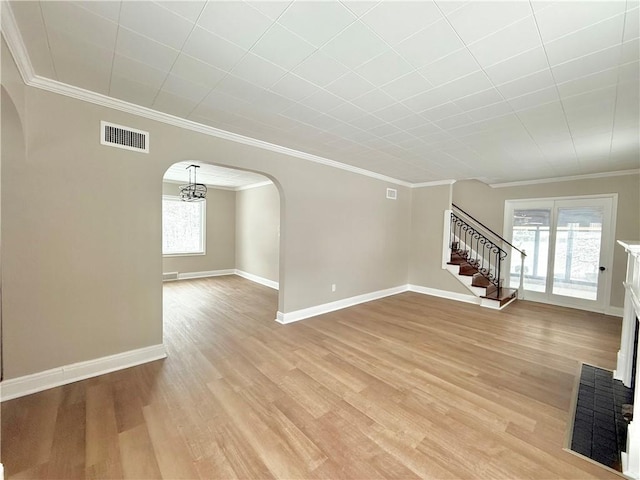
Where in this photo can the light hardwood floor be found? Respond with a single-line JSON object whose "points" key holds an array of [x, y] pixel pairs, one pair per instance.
{"points": [[409, 386]]}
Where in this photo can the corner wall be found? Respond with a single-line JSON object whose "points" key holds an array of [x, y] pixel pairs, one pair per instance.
{"points": [[258, 231], [428, 205]]}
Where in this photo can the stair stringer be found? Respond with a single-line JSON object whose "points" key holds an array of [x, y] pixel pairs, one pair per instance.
{"points": [[477, 291]]}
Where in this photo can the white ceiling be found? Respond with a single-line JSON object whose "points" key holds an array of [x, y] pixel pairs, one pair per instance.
{"points": [[418, 91], [213, 175]]}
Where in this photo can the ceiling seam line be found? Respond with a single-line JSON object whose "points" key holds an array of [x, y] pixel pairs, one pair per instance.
{"points": [[615, 101], [115, 46], [247, 51], [195, 24], [46, 31], [555, 82], [491, 82]]}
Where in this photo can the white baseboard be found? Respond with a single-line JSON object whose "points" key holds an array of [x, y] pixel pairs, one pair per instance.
{"points": [[459, 297], [297, 315], [173, 276], [614, 311], [18, 387], [255, 278], [207, 273]]}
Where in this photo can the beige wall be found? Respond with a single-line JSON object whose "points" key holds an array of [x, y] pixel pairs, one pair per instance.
{"points": [[427, 224], [258, 231], [84, 279], [12, 145], [220, 234], [487, 205]]}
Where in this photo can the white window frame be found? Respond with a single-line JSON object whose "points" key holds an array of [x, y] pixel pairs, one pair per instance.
{"points": [[203, 226]]}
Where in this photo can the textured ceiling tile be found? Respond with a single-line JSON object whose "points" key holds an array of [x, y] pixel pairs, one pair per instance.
{"points": [[477, 20], [430, 44], [283, 47], [451, 67], [294, 87], [190, 9], [79, 23], [588, 40], [350, 86], [167, 27], [355, 45], [142, 49], [212, 49], [384, 68], [192, 69], [320, 69], [508, 42], [258, 71], [317, 22], [235, 21], [395, 21], [575, 16], [407, 86]]}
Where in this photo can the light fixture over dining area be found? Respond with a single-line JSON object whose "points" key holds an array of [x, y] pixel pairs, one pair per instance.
{"points": [[194, 191]]}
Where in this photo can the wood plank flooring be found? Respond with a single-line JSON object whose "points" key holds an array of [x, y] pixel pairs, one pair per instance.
{"points": [[409, 386]]}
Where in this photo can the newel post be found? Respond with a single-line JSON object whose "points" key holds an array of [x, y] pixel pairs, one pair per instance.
{"points": [[523, 255]]}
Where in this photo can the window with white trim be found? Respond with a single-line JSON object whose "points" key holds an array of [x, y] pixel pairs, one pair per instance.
{"points": [[183, 226]]}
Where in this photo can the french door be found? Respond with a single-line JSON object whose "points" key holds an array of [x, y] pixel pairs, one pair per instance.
{"points": [[568, 242]]}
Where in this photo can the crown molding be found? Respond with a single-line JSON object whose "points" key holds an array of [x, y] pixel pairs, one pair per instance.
{"points": [[14, 41], [433, 184], [17, 48], [587, 176], [99, 99], [254, 185], [221, 187], [215, 187]]}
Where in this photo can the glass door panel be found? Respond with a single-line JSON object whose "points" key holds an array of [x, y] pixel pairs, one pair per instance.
{"points": [[577, 251], [567, 242], [531, 234]]}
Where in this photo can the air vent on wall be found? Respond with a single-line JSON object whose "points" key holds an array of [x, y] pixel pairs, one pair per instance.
{"points": [[124, 137], [392, 193]]}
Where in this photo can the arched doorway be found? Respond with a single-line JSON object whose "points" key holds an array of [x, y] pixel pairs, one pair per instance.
{"points": [[234, 231]]}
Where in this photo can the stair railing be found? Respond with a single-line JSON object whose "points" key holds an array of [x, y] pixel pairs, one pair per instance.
{"points": [[470, 239]]}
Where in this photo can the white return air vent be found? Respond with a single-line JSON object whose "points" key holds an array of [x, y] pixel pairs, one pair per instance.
{"points": [[124, 137], [392, 193]]}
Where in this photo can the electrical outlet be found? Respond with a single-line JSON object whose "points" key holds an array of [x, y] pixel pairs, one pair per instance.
{"points": [[333, 287]]}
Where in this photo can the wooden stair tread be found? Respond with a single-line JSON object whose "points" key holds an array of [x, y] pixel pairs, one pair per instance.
{"points": [[502, 295], [468, 269]]}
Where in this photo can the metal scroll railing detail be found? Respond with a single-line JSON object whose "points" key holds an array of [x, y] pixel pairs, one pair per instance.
{"points": [[477, 250]]}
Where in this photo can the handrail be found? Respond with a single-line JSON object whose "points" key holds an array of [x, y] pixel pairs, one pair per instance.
{"points": [[488, 229]]}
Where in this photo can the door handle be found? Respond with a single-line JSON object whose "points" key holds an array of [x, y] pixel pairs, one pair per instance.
{"points": [[602, 269]]}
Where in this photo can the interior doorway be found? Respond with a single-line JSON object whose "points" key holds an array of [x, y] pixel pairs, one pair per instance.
{"points": [[233, 230], [569, 246]]}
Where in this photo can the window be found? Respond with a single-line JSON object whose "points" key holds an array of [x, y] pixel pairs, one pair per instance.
{"points": [[183, 227]]}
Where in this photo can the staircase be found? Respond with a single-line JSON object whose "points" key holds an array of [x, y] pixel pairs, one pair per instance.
{"points": [[476, 257]]}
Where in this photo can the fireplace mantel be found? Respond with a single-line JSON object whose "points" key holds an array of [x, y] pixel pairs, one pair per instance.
{"points": [[624, 367]]}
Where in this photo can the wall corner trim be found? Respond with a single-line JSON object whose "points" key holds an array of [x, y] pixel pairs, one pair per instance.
{"points": [[36, 382], [297, 315], [255, 278]]}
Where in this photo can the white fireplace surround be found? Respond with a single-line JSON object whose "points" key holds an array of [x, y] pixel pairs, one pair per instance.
{"points": [[624, 367]]}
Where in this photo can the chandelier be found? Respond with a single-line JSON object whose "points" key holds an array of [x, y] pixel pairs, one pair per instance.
{"points": [[193, 192]]}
